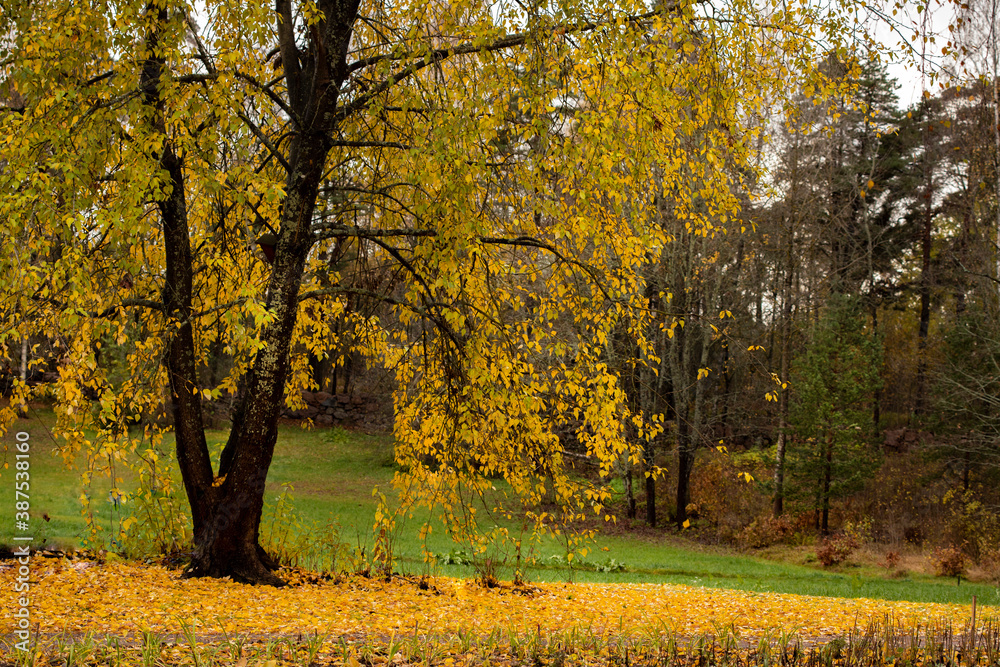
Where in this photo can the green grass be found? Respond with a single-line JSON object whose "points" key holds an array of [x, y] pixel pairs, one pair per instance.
{"points": [[54, 490], [333, 472]]}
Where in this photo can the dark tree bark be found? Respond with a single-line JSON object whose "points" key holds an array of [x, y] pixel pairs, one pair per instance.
{"points": [[229, 543], [629, 495], [180, 360], [925, 266], [925, 301], [685, 463], [650, 500], [784, 361], [226, 510]]}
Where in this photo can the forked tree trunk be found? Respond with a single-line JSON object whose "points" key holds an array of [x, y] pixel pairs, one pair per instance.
{"points": [[226, 509], [228, 545]]}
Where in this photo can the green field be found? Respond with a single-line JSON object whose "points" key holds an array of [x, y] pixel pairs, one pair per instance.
{"points": [[332, 473]]}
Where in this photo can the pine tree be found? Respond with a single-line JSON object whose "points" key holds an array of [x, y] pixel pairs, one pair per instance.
{"points": [[834, 382]]}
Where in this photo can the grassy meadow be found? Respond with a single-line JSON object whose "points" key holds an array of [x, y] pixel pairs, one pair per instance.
{"points": [[329, 474]]}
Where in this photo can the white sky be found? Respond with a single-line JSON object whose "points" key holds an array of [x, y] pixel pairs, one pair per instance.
{"points": [[907, 66]]}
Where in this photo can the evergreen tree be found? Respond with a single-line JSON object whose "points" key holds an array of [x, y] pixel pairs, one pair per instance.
{"points": [[834, 383]]}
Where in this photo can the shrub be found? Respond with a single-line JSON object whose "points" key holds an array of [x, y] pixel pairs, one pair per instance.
{"points": [[989, 561], [891, 560], [725, 499], [835, 550], [948, 562], [765, 531], [971, 522]]}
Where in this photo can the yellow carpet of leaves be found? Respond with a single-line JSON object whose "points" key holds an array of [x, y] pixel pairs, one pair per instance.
{"points": [[124, 599]]}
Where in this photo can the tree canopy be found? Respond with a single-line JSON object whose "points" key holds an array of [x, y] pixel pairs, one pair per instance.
{"points": [[464, 192]]}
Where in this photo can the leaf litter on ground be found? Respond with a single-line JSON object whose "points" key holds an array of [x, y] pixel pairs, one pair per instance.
{"points": [[125, 599]]}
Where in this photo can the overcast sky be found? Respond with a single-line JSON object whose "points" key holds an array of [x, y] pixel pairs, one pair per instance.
{"points": [[907, 68]]}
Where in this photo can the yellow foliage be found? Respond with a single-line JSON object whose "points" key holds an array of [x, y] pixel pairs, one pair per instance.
{"points": [[512, 193]]}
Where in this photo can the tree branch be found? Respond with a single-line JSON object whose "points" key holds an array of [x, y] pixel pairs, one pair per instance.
{"points": [[370, 144], [358, 232], [271, 95], [438, 55], [330, 291], [264, 140], [530, 242]]}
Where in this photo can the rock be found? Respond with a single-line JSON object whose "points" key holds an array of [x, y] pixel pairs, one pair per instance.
{"points": [[329, 402], [340, 415], [322, 397], [324, 420], [308, 396]]}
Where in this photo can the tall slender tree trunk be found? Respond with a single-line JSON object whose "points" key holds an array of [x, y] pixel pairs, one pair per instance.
{"points": [[180, 360], [650, 497], [629, 495], [24, 359], [827, 475], [925, 279], [685, 463], [994, 48], [651, 405], [685, 454], [786, 335]]}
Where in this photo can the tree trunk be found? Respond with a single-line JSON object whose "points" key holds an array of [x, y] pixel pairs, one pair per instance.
{"points": [[786, 334], [679, 366], [925, 275], [629, 495], [650, 500], [995, 75], [685, 462], [180, 360], [877, 398], [226, 510], [827, 475]]}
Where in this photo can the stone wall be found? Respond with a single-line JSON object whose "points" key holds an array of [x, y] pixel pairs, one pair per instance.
{"points": [[368, 413], [340, 409]]}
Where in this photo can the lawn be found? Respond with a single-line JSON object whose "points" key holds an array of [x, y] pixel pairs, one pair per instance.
{"points": [[331, 473]]}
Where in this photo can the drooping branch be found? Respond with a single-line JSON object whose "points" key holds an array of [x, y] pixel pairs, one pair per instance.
{"points": [[436, 56], [272, 149], [370, 144], [271, 95], [531, 242]]}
